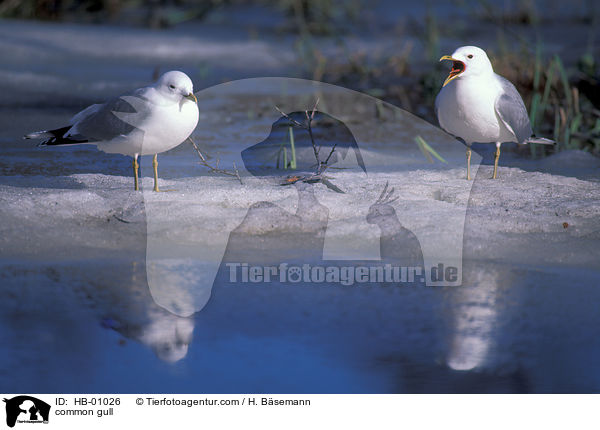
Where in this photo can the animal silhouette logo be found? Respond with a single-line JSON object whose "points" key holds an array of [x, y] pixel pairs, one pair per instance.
{"points": [[26, 409], [289, 208]]}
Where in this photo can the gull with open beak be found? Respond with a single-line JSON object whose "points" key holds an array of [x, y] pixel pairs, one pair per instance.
{"points": [[477, 105], [146, 121]]}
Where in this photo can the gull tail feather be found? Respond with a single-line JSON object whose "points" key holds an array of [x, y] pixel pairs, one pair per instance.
{"points": [[540, 140], [38, 134], [55, 137]]}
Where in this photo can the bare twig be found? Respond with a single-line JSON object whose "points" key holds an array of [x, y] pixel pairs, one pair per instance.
{"points": [[314, 145], [311, 179], [321, 166], [120, 219], [215, 169], [291, 119], [330, 153], [312, 115]]}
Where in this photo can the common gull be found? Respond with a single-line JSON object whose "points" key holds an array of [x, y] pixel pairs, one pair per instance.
{"points": [[477, 105], [146, 121]]}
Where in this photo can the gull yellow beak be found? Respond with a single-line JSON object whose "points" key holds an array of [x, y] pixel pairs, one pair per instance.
{"points": [[457, 68], [192, 97]]}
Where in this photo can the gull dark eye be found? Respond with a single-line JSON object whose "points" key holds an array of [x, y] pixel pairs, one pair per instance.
{"points": [[172, 86], [470, 56]]}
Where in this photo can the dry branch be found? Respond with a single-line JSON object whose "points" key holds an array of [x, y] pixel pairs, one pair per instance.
{"points": [[321, 165], [215, 168]]}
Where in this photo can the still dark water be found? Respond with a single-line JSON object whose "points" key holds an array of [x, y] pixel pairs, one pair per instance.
{"points": [[83, 327]]}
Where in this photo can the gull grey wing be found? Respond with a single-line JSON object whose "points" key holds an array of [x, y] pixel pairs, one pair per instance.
{"points": [[511, 109], [92, 109], [105, 122]]}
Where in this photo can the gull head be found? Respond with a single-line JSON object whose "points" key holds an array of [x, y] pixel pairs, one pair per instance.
{"points": [[176, 85], [468, 61]]}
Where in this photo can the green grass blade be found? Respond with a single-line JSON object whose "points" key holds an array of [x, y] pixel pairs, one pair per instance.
{"points": [[536, 98], [576, 123], [565, 80], [538, 67], [556, 127], [548, 86], [293, 147], [427, 150], [535, 104], [420, 141], [379, 114], [567, 135]]}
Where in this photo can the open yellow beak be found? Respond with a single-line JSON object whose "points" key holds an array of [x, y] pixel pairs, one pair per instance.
{"points": [[192, 97], [457, 68]]}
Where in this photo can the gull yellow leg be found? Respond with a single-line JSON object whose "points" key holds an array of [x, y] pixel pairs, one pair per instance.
{"points": [[496, 158], [155, 166], [468, 163], [136, 166]]}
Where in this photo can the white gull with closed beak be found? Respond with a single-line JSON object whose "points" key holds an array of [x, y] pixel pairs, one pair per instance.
{"points": [[146, 121]]}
